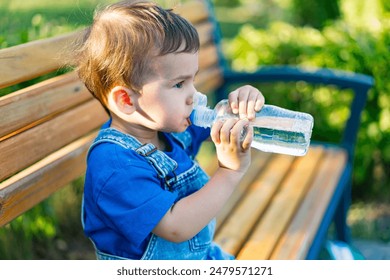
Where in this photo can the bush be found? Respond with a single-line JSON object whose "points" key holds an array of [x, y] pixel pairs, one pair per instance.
{"points": [[316, 13], [340, 46]]}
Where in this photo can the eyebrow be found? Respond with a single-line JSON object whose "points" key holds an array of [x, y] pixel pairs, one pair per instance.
{"points": [[184, 77]]}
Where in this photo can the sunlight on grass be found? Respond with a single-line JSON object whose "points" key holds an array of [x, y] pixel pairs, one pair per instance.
{"points": [[20, 5], [371, 221]]}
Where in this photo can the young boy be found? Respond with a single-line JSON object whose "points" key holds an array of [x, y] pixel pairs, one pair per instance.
{"points": [[145, 197]]}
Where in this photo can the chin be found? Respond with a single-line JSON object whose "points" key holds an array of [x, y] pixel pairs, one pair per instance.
{"points": [[175, 130], [181, 130]]}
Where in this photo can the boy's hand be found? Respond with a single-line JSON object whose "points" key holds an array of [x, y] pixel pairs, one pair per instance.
{"points": [[246, 101], [234, 152]]}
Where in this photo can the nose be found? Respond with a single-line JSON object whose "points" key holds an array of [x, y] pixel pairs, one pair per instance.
{"points": [[191, 98]]}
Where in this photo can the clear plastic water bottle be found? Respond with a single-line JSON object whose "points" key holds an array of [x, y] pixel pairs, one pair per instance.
{"points": [[275, 129]]}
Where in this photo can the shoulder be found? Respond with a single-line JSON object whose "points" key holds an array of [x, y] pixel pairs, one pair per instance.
{"points": [[123, 176], [110, 165], [113, 156]]}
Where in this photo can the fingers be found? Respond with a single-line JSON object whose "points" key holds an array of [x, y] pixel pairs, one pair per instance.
{"points": [[246, 101], [238, 100], [237, 130], [247, 142], [220, 131], [231, 132]]}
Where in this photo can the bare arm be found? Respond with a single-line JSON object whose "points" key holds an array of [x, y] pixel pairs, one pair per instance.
{"points": [[192, 213]]}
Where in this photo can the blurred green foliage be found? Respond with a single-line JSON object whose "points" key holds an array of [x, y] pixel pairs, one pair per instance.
{"points": [[349, 44], [26, 20], [316, 13], [19, 239]]}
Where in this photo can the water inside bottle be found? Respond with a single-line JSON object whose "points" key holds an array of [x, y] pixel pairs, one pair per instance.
{"points": [[285, 136]]}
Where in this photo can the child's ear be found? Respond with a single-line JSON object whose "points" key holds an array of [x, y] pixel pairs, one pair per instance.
{"points": [[122, 99]]}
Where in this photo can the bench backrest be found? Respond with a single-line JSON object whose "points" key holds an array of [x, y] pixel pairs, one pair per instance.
{"points": [[46, 128]]}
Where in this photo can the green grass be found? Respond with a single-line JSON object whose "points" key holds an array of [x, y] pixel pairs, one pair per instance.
{"points": [[23, 21], [370, 221]]}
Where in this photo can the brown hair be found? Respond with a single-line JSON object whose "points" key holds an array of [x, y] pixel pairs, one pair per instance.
{"points": [[124, 37]]}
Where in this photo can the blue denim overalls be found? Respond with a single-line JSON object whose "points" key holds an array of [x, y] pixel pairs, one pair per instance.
{"points": [[200, 246]]}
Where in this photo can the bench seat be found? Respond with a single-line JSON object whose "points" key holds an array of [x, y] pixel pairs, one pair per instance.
{"points": [[278, 208]]}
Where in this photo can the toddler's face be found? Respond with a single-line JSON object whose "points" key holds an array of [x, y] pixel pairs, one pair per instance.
{"points": [[167, 97]]}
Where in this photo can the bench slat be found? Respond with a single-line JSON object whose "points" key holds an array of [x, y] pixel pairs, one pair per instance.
{"points": [[27, 106], [33, 59], [209, 163], [259, 161], [243, 218], [208, 57], [207, 80], [266, 234], [296, 241], [32, 145], [29, 187], [194, 11], [210, 74], [205, 31], [36, 58]]}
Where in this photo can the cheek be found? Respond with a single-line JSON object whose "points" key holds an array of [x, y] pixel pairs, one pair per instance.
{"points": [[172, 103], [159, 109], [164, 108]]}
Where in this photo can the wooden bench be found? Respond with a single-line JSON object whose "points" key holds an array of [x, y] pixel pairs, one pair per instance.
{"points": [[283, 207]]}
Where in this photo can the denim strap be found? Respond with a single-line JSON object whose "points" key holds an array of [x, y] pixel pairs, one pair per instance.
{"points": [[163, 164], [159, 160]]}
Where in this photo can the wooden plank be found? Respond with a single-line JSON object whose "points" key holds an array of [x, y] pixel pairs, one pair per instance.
{"points": [[27, 107], [33, 59], [296, 241], [208, 80], [244, 217], [193, 11], [29, 187], [277, 216], [259, 161], [210, 74], [209, 162], [205, 31], [24, 149], [208, 57]]}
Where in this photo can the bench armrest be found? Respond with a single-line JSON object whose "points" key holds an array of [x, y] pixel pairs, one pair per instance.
{"points": [[342, 79], [359, 83]]}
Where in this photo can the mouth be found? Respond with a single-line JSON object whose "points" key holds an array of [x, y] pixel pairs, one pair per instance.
{"points": [[189, 121]]}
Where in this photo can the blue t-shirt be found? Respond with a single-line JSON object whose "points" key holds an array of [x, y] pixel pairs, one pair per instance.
{"points": [[123, 196]]}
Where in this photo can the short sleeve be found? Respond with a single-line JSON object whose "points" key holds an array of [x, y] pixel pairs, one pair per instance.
{"points": [[199, 135], [133, 202]]}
